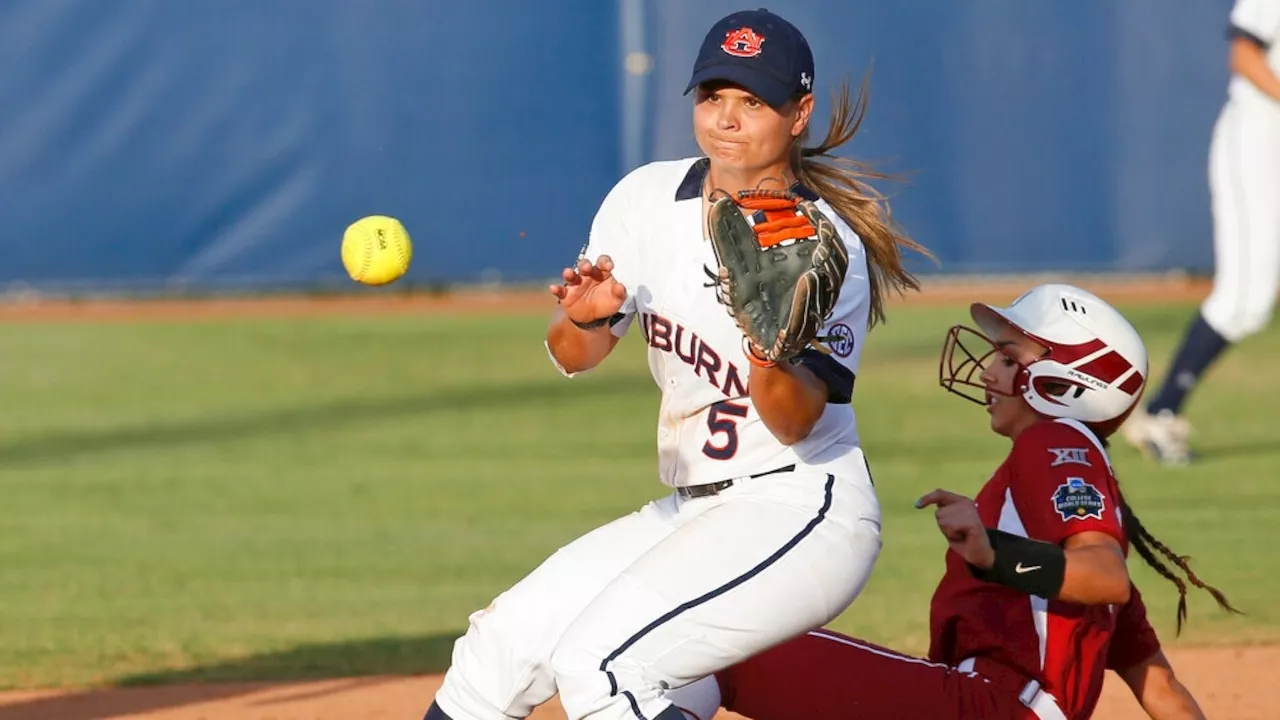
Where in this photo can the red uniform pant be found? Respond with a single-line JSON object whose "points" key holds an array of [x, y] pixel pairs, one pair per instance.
{"points": [[829, 676]]}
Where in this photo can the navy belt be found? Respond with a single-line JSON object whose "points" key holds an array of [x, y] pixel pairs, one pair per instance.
{"points": [[715, 488]]}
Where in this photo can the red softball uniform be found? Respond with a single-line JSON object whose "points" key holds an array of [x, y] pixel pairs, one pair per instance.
{"points": [[994, 652]]}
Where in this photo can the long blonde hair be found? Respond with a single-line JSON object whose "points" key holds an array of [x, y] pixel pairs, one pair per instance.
{"points": [[843, 184]]}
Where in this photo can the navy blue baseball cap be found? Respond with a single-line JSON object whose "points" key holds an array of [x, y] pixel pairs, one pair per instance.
{"points": [[758, 51]]}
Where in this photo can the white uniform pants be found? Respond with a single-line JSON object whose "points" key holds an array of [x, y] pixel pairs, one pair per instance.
{"points": [[669, 594], [1244, 182]]}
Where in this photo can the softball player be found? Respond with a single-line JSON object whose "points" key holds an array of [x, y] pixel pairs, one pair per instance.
{"points": [[1244, 182], [772, 527], [1036, 601]]}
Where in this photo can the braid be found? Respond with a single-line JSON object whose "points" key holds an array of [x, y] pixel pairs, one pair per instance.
{"points": [[1182, 561], [1138, 542], [1143, 541]]}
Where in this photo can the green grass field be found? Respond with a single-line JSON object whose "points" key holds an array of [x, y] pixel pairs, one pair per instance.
{"points": [[299, 498]]}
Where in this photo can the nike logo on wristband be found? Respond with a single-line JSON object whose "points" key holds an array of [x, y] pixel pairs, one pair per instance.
{"points": [[1020, 569]]}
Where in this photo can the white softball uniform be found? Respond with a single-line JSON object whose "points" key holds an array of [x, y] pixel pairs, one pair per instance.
{"points": [[760, 541], [1244, 181]]}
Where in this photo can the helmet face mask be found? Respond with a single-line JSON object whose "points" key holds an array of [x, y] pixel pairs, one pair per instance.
{"points": [[1093, 369], [965, 354]]}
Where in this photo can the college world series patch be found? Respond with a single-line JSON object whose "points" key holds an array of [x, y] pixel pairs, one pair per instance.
{"points": [[1078, 500]]}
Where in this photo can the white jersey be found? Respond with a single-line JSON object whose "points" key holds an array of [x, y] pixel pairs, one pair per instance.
{"points": [[1258, 20], [651, 224]]}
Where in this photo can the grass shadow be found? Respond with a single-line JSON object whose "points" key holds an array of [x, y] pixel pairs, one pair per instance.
{"points": [[1219, 451], [356, 660], [59, 446]]}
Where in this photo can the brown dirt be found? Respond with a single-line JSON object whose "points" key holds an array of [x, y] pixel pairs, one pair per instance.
{"points": [[526, 301], [1228, 682]]}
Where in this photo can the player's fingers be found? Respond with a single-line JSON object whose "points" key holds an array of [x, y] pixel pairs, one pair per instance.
{"points": [[939, 497], [959, 509], [559, 291], [619, 291], [947, 517], [957, 517], [570, 277], [960, 527], [605, 263], [584, 267], [958, 535], [950, 531]]}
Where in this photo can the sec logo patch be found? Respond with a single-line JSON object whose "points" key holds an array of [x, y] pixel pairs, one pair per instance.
{"points": [[840, 339]]}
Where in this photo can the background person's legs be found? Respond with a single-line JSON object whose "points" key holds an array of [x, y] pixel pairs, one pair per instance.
{"points": [[1244, 182]]}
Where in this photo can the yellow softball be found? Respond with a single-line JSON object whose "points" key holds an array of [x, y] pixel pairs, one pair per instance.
{"points": [[376, 250]]}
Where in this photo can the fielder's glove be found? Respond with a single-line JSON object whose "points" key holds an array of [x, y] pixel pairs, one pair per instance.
{"points": [[782, 265]]}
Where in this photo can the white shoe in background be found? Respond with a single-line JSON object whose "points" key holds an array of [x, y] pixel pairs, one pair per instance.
{"points": [[1162, 437]]}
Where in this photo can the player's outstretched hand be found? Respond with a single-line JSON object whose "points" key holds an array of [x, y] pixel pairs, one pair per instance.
{"points": [[590, 291], [958, 520]]}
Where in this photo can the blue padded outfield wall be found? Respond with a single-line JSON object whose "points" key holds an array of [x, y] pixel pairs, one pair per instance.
{"points": [[226, 143]]}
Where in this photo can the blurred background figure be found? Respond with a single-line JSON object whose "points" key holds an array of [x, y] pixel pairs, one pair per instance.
{"points": [[1244, 182]]}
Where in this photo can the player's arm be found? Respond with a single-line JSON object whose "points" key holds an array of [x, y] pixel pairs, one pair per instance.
{"points": [[581, 332], [1088, 568], [1134, 654], [593, 307], [789, 398], [792, 396], [1159, 691], [1067, 501], [1094, 572], [1252, 31], [576, 350], [1249, 60]]}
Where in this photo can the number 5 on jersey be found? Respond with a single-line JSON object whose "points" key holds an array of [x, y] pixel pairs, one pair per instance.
{"points": [[722, 420]]}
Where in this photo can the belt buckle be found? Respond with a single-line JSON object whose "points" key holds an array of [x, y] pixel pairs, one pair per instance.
{"points": [[1029, 692]]}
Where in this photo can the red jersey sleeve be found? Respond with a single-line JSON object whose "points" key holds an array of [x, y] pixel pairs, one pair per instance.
{"points": [[1133, 640], [1062, 485]]}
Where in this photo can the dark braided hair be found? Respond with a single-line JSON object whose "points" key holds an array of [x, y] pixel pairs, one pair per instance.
{"points": [[1147, 547]]}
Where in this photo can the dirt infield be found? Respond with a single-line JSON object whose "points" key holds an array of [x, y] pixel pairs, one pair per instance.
{"points": [[34, 308], [1230, 683]]}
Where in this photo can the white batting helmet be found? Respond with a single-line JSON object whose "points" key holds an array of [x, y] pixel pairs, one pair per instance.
{"points": [[1095, 366]]}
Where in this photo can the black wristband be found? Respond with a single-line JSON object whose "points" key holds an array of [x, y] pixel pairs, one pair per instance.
{"points": [[1030, 566], [592, 325]]}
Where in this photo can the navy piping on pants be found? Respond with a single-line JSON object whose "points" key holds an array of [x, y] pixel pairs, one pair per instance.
{"points": [[604, 665]]}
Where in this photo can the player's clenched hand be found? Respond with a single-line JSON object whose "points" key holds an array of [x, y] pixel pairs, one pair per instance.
{"points": [[958, 520], [590, 291]]}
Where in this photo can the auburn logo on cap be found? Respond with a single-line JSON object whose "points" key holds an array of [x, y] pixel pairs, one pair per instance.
{"points": [[743, 42]]}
